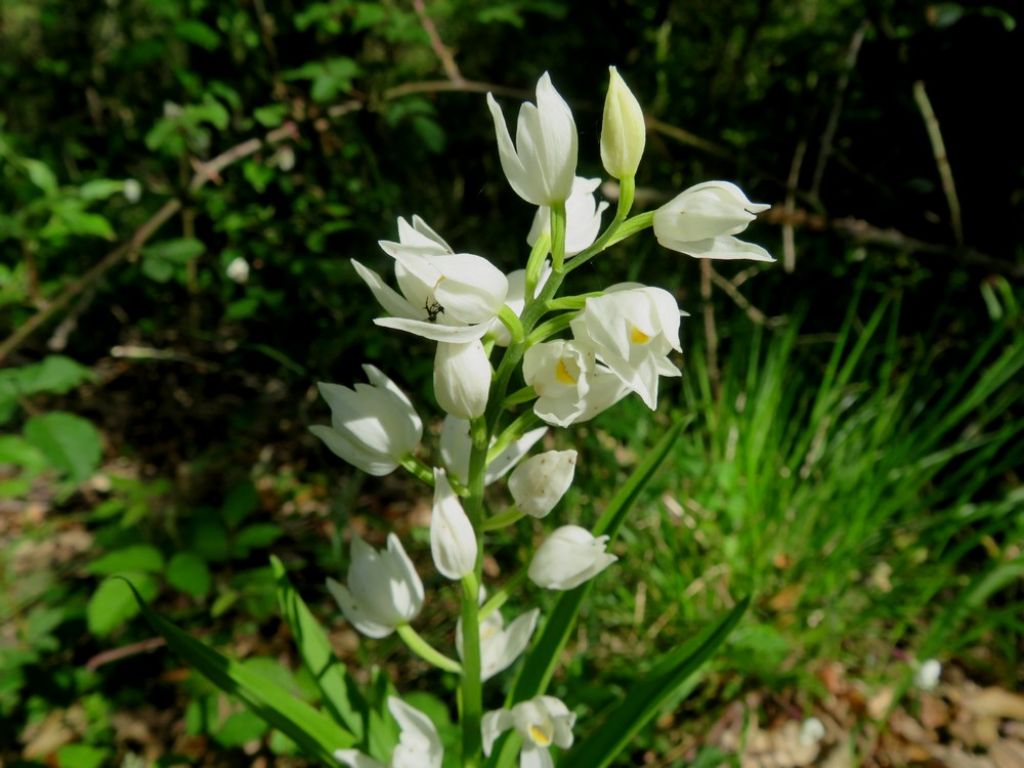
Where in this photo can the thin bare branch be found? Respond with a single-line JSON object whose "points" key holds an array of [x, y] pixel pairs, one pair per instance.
{"points": [[442, 51], [931, 124], [755, 314], [788, 237], [124, 652]]}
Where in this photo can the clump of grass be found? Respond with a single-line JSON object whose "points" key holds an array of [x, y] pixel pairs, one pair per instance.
{"points": [[870, 500]]}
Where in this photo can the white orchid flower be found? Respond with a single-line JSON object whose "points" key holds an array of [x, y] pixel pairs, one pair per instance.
{"points": [[383, 592], [582, 217], [541, 165], [540, 482], [462, 378], [623, 132], [445, 296], [571, 387], [542, 722], [452, 538], [456, 445], [373, 426], [568, 557], [419, 745], [500, 646], [632, 328], [702, 220]]}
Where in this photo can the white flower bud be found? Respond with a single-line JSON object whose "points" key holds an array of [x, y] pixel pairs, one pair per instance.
{"points": [[539, 483], [541, 165], [927, 675], [238, 270], [569, 557], [384, 591], [623, 132], [372, 427], [456, 447], [419, 745], [462, 378], [452, 539], [702, 220]]}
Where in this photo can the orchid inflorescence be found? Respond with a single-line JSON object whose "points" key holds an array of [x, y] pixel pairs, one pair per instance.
{"points": [[619, 342]]}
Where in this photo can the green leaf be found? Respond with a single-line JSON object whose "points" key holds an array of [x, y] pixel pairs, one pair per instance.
{"points": [[271, 115], [641, 704], [240, 728], [540, 664], [112, 604], [137, 558], [100, 189], [189, 573], [315, 734], [180, 250], [242, 501], [256, 536], [81, 756], [19, 452], [39, 173], [341, 694], [71, 443], [197, 33]]}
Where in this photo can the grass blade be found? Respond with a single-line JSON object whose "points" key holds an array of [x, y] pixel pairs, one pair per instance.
{"points": [[315, 734]]}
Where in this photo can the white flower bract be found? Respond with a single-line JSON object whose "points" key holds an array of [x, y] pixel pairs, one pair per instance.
{"points": [[382, 590], [701, 222], [541, 164], [419, 745], [452, 539], [568, 557], [373, 426], [582, 217]]}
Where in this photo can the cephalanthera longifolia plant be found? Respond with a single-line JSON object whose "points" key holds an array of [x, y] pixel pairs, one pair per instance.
{"points": [[511, 353]]}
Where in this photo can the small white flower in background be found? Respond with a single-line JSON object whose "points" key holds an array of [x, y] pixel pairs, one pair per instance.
{"points": [[452, 539], [582, 217], [419, 745], [500, 646], [238, 270], [571, 387], [132, 190], [373, 426], [623, 133], [516, 301], [539, 483], [812, 731], [383, 590], [702, 220], [632, 328], [541, 165], [927, 674], [542, 722], [456, 446], [568, 557], [462, 378], [444, 296]]}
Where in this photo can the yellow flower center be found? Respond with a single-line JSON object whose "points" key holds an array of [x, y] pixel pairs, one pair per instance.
{"points": [[562, 373], [539, 736], [637, 336]]}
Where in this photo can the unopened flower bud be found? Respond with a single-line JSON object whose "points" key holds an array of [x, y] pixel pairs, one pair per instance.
{"points": [[452, 539], [462, 378], [540, 482], [623, 133], [569, 557]]}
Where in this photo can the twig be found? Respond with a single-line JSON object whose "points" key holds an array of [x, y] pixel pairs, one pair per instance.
{"points": [[931, 124], [466, 86], [685, 137], [788, 239], [755, 314], [443, 52], [124, 652], [710, 332], [828, 137]]}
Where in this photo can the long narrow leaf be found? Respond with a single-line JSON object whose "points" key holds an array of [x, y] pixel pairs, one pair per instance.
{"points": [[641, 704], [316, 735], [540, 664], [341, 694]]}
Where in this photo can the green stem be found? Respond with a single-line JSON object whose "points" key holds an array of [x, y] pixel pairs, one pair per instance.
{"points": [[523, 422], [500, 597], [502, 520], [535, 264], [520, 396], [550, 327], [628, 228], [512, 322], [558, 237], [426, 651], [419, 469]]}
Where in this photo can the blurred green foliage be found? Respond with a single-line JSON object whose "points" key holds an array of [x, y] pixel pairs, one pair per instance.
{"points": [[154, 425]]}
